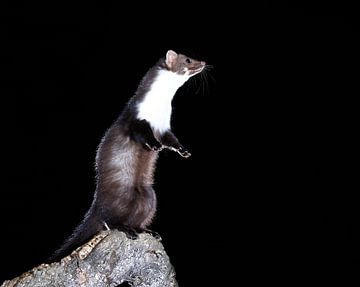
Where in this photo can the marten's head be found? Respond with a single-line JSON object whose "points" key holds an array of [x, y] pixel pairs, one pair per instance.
{"points": [[183, 65]]}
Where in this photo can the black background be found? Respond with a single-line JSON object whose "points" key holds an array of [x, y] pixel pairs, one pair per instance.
{"points": [[267, 184]]}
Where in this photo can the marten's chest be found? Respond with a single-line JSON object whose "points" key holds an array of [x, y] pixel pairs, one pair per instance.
{"points": [[155, 107]]}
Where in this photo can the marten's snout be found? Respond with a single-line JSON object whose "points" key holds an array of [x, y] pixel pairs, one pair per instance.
{"points": [[197, 67]]}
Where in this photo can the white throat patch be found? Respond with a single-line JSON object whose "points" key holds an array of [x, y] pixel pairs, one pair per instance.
{"points": [[156, 105]]}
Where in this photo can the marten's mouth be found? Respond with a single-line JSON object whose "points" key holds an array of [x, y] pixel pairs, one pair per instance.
{"points": [[197, 70]]}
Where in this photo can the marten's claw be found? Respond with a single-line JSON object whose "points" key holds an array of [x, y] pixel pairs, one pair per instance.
{"points": [[183, 152], [153, 233]]}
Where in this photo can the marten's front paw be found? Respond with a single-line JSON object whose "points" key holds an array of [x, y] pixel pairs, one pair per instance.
{"points": [[183, 152], [155, 146]]}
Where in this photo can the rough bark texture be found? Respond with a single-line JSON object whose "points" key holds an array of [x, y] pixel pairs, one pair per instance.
{"points": [[109, 259]]}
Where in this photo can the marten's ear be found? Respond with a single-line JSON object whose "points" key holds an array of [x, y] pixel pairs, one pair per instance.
{"points": [[170, 58]]}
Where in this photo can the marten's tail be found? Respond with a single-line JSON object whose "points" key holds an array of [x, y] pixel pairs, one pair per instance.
{"points": [[83, 232]]}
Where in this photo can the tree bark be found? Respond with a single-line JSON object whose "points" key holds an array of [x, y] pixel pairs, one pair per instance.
{"points": [[108, 259]]}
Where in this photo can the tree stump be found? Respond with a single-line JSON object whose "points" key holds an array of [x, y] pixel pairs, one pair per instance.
{"points": [[108, 259]]}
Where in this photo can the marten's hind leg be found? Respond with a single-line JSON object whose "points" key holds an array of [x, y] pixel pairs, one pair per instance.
{"points": [[131, 232], [152, 233]]}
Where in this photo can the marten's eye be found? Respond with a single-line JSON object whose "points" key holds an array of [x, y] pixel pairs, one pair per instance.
{"points": [[188, 61]]}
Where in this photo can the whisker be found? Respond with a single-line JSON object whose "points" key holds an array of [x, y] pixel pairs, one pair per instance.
{"points": [[199, 86], [208, 69], [211, 77], [191, 83], [202, 82], [206, 83]]}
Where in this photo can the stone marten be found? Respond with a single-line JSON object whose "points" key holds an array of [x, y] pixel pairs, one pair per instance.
{"points": [[126, 157]]}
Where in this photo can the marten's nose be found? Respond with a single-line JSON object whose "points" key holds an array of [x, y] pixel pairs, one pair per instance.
{"points": [[203, 63]]}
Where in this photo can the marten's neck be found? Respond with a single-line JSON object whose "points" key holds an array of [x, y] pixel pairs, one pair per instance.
{"points": [[155, 107]]}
